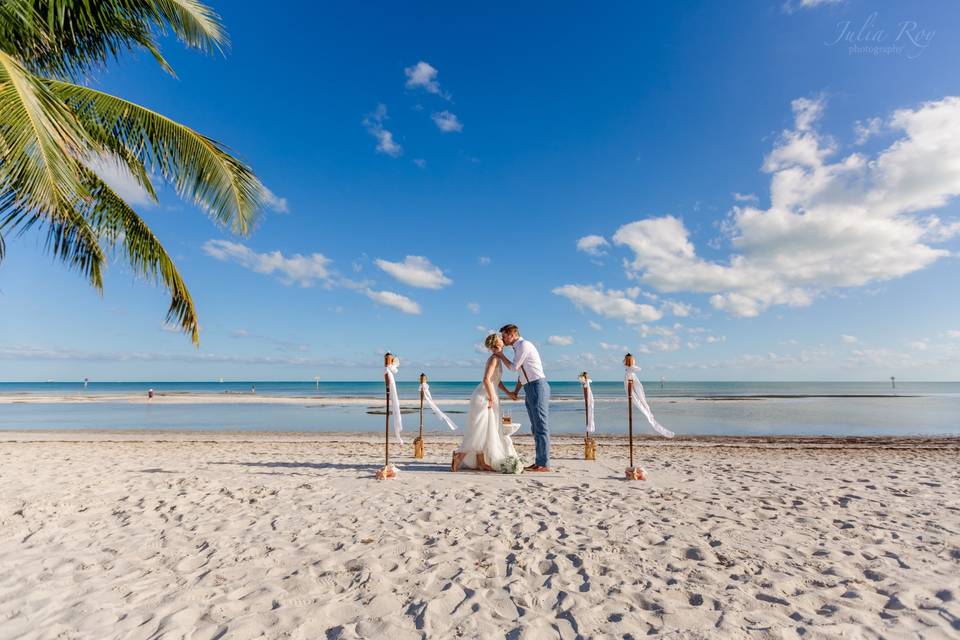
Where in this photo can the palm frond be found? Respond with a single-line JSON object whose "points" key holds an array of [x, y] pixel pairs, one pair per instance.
{"points": [[198, 167], [66, 38], [118, 225], [39, 179], [40, 138], [196, 24]]}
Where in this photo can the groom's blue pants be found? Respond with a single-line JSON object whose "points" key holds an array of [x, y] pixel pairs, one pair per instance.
{"points": [[536, 395]]}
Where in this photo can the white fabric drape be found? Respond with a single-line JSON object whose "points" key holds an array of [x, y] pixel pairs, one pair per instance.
{"points": [[639, 400], [391, 372], [425, 388], [591, 427]]}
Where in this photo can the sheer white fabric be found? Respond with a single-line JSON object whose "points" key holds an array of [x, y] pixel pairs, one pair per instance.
{"points": [[639, 400], [391, 372], [482, 432], [425, 388], [585, 381]]}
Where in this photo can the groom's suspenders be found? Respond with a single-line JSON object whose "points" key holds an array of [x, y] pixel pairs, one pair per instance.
{"points": [[524, 372]]}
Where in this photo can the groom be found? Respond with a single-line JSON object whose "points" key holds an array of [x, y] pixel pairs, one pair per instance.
{"points": [[536, 391]]}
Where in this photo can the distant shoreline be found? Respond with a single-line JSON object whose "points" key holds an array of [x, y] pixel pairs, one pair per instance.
{"points": [[192, 397]]}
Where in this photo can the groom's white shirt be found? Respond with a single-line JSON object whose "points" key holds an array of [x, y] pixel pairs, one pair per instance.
{"points": [[526, 360]]}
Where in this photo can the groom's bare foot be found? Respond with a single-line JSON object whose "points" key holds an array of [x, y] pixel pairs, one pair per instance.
{"points": [[457, 460]]}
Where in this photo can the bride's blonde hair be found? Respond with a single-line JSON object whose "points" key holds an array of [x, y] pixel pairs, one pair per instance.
{"points": [[493, 341]]}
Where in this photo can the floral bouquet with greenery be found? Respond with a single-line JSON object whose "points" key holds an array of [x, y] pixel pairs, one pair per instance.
{"points": [[512, 464]]}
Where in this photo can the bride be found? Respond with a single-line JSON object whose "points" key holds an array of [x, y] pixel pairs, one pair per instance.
{"points": [[484, 446]]}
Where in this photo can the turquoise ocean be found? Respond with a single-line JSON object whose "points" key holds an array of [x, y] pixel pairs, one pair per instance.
{"points": [[688, 408]]}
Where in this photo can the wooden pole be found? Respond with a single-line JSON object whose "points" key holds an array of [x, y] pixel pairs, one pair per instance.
{"points": [[629, 361], [418, 445], [586, 408], [423, 379], [387, 361], [589, 444]]}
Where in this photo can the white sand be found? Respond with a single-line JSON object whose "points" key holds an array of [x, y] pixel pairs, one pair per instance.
{"points": [[287, 536]]}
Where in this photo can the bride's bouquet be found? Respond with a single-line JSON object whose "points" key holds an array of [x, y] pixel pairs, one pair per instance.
{"points": [[512, 464]]}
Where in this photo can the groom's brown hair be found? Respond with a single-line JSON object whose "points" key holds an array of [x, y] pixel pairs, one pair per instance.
{"points": [[510, 328]]}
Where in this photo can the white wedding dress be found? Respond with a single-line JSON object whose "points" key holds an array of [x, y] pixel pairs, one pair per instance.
{"points": [[482, 432]]}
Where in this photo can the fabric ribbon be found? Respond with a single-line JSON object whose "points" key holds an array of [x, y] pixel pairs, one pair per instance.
{"points": [[591, 427], [639, 400], [390, 372], [425, 389]]}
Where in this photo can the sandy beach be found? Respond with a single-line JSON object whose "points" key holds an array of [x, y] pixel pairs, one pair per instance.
{"points": [[176, 535]]}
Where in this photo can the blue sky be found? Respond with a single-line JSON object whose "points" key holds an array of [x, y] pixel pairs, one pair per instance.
{"points": [[751, 190]]}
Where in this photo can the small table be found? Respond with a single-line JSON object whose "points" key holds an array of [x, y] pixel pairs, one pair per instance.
{"points": [[509, 428]]}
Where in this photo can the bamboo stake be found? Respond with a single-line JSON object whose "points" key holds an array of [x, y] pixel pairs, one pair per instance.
{"points": [[633, 472], [387, 361], [418, 444], [629, 361], [387, 471], [589, 444]]}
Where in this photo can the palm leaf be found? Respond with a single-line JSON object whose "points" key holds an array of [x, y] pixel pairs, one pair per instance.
{"points": [[118, 225], [66, 38], [199, 168], [39, 180]]}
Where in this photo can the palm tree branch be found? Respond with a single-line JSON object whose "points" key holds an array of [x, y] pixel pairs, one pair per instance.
{"points": [[198, 167], [69, 37], [118, 224], [39, 180]]}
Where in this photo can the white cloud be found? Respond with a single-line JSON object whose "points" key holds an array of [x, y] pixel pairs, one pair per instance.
{"points": [[610, 303], [953, 333], [744, 197], [395, 300], [560, 341], [447, 122], [295, 269], [596, 326], [794, 5], [670, 343], [657, 330], [473, 307], [849, 339], [118, 177], [606, 346], [848, 223], [678, 309], [416, 271], [420, 162], [939, 232], [867, 128], [385, 142], [715, 339], [190, 357], [483, 260], [593, 245], [424, 76], [275, 202], [918, 345]]}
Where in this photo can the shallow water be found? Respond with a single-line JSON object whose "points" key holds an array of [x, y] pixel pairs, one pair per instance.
{"points": [[686, 408]]}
